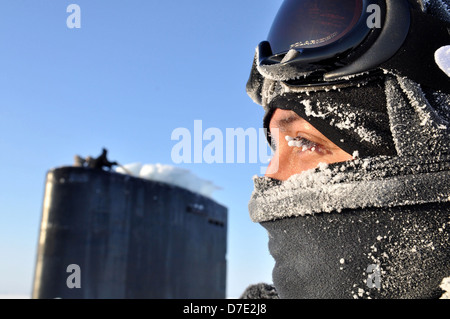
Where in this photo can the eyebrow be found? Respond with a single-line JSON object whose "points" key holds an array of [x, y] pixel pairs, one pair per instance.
{"points": [[285, 123]]}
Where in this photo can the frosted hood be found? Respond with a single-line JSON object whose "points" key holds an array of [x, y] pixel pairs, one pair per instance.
{"points": [[420, 173], [327, 226]]}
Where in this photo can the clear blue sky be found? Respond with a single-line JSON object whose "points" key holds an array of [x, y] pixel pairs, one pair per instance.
{"points": [[135, 71]]}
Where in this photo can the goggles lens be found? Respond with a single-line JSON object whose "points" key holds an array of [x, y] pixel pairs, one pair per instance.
{"points": [[313, 23]]}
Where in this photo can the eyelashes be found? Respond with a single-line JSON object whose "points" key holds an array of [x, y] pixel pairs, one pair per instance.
{"points": [[299, 141]]}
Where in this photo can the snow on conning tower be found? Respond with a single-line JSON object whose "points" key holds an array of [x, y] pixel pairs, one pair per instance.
{"points": [[106, 234]]}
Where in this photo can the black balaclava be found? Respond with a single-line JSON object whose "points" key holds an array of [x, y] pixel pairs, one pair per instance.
{"points": [[354, 118], [374, 227]]}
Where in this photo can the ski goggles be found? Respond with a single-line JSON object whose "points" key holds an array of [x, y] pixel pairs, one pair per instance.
{"points": [[313, 42], [306, 24]]}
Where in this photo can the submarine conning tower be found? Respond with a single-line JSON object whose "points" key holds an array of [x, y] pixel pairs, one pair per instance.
{"points": [[107, 235]]}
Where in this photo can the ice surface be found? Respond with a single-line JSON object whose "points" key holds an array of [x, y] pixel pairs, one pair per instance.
{"points": [[442, 57], [170, 175]]}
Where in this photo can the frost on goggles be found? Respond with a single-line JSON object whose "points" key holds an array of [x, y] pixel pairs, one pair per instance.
{"points": [[313, 23]]}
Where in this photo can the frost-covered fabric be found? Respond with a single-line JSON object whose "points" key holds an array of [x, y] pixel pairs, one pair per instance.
{"points": [[354, 117], [420, 173], [438, 8], [260, 291], [329, 227], [392, 211], [342, 255]]}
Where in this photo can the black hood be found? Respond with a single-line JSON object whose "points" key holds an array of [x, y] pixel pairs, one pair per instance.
{"points": [[328, 225]]}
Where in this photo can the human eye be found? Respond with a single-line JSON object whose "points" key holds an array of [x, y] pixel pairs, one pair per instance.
{"points": [[301, 142]]}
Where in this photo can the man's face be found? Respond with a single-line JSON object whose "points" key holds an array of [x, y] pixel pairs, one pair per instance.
{"points": [[299, 146]]}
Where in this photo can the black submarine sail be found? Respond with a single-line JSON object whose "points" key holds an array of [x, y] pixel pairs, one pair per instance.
{"points": [[107, 235]]}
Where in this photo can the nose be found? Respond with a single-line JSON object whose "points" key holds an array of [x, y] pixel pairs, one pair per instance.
{"points": [[283, 164]]}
